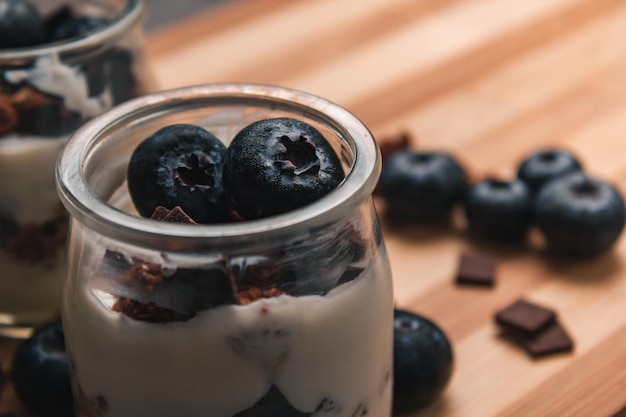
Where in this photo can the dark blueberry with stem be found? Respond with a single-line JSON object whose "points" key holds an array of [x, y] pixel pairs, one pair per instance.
{"points": [[540, 167], [179, 165], [41, 374], [276, 165], [580, 216], [498, 210], [21, 25], [422, 186], [423, 361]]}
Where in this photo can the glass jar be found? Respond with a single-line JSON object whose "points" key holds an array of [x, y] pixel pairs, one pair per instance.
{"points": [[289, 315], [46, 92]]}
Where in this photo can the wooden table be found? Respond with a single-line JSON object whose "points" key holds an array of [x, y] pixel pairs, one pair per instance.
{"points": [[490, 81]]}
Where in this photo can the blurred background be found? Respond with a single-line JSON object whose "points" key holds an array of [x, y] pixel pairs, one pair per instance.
{"points": [[166, 11]]}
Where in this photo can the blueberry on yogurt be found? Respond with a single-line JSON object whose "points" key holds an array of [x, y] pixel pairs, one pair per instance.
{"points": [[277, 165], [179, 165]]}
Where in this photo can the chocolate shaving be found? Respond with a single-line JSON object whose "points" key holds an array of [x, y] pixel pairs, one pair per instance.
{"points": [[175, 215]]}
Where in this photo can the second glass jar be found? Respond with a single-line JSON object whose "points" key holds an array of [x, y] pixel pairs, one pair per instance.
{"points": [[89, 59]]}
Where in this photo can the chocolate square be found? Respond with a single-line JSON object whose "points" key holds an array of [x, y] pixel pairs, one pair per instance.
{"points": [[525, 317], [553, 339], [476, 269]]}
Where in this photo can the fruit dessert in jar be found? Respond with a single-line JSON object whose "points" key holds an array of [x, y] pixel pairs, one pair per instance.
{"points": [[61, 64], [226, 259]]}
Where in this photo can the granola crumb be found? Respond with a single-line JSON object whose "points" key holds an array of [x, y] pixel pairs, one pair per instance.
{"points": [[253, 294]]}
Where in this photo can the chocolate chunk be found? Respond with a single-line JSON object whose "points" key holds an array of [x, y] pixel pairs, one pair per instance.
{"points": [[535, 328], [475, 269], [525, 317], [149, 312], [397, 142], [175, 215], [552, 339]]}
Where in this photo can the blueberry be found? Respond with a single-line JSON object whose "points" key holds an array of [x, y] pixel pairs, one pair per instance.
{"points": [[276, 165], [179, 165], [498, 210], [41, 374], [422, 361], [21, 25], [74, 27], [540, 167], [579, 216], [421, 186]]}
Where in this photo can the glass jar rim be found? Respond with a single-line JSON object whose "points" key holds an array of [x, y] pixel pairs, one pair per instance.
{"points": [[132, 13], [87, 208]]}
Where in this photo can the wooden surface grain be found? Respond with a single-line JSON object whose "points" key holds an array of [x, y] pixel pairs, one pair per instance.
{"points": [[490, 81]]}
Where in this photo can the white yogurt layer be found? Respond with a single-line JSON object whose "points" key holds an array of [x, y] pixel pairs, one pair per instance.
{"points": [[336, 347], [27, 191]]}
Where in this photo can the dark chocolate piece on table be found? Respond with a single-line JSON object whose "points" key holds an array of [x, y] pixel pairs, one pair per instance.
{"points": [[476, 269], [551, 340], [525, 317], [399, 141]]}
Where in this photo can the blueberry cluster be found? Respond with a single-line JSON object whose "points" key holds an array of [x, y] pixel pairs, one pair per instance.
{"points": [[579, 215], [22, 25], [271, 166]]}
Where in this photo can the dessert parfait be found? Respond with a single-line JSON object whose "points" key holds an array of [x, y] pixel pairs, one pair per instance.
{"points": [[226, 259], [61, 64]]}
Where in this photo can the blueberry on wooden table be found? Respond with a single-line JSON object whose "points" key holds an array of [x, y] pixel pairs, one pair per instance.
{"points": [[498, 210], [580, 216], [179, 165], [540, 167], [41, 375], [277, 165], [21, 25], [421, 186], [423, 361]]}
